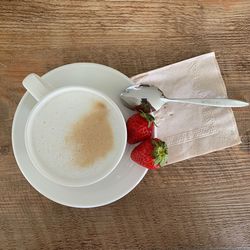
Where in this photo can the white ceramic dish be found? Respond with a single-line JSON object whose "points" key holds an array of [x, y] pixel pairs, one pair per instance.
{"points": [[113, 187]]}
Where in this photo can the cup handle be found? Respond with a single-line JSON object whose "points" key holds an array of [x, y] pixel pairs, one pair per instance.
{"points": [[36, 86]]}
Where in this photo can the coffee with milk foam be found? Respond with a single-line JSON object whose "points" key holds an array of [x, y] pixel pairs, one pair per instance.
{"points": [[75, 135]]}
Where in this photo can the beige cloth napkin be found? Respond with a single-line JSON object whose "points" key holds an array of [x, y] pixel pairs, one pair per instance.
{"points": [[192, 130]]}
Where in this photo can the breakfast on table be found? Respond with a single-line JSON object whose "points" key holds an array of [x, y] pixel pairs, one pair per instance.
{"points": [[85, 136], [124, 125]]}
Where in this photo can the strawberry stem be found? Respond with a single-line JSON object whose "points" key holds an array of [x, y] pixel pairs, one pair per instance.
{"points": [[160, 152], [150, 119]]}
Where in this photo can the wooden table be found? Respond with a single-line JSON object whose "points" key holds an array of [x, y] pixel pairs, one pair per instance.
{"points": [[202, 203]]}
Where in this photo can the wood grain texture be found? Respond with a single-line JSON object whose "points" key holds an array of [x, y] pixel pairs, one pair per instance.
{"points": [[202, 203]]}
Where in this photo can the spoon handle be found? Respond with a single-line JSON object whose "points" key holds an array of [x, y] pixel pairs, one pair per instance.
{"points": [[218, 102]]}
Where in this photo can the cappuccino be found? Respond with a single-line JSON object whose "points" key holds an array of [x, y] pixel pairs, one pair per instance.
{"points": [[75, 136]]}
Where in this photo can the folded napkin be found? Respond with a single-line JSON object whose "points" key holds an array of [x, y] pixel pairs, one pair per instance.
{"points": [[192, 130]]}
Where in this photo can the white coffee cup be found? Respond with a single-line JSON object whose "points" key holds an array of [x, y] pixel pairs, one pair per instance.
{"points": [[49, 124]]}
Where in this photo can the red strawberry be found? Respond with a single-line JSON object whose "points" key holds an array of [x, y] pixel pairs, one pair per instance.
{"points": [[140, 127], [151, 154]]}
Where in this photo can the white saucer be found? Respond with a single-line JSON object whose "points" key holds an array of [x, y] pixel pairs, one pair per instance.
{"points": [[116, 185]]}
